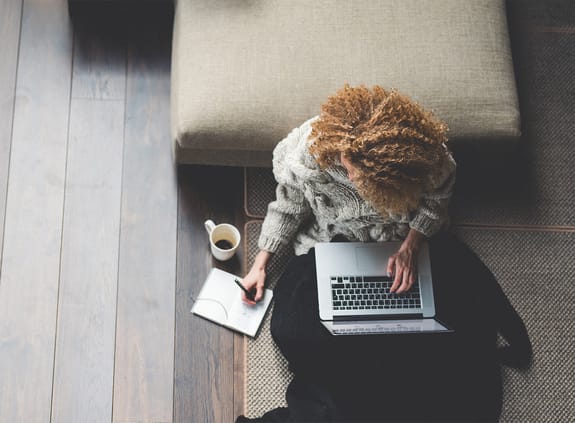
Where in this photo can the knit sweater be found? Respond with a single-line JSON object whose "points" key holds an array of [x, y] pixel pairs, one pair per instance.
{"points": [[313, 204]]}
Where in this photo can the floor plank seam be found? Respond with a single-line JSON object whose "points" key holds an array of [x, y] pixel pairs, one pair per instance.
{"points": [[14, 84], [121, 210]]}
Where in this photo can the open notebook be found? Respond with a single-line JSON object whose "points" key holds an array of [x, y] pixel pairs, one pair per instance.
{"points": [[220, 301]]}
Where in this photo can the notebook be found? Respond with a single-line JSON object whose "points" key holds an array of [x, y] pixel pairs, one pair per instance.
{"points": [[354, 296], [220, 301]]}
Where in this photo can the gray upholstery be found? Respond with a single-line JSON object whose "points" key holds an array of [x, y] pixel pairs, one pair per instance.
{"points": [[244, 73]]}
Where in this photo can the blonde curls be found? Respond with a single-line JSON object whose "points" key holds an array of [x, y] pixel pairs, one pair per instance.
{"points": [[396, 146]]}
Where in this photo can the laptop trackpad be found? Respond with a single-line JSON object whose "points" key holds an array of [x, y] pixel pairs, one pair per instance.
{"points": [[372, 259]]}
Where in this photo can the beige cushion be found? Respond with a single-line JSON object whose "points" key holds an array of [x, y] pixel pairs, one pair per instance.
{"points": [[246, 72]]}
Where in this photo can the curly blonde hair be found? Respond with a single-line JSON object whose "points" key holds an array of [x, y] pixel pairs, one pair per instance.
{"points": [[397, 147]]}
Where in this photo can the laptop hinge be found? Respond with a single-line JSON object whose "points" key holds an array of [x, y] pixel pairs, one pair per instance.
{"points": [[379, 317]]}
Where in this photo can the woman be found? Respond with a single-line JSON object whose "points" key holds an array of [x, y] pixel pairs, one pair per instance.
{"points": [[372, 167]]}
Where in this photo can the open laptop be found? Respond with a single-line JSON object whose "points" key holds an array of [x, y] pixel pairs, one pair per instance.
{"points": [[353, 291]]}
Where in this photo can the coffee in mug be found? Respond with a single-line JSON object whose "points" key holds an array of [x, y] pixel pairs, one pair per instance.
{"points": [[224, 244], [224, 239]]}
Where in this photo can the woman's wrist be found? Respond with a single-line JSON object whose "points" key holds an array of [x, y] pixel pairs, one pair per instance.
{"points": [[262, 258], [413, 240]]}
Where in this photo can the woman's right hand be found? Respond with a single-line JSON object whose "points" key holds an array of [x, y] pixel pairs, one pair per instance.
{"points": [[255, 280]]}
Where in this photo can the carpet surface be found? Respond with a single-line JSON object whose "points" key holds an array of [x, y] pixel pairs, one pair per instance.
{"points": [[259, 190], [537, 273], [267, 374]]}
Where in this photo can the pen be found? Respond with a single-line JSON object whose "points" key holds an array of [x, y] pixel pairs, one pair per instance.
{"points": [[248, 294]]}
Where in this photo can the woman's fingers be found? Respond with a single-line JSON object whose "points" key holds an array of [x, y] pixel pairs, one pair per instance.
{"points": [[394, 270], [403, 274], [397, 278], [259, 293], [254, 281], [250, 285], [406, 281], [248, 299], [391, 265], [255, 288]]}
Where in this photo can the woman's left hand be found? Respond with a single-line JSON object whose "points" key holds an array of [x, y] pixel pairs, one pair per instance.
{"points": [[403, 264]]}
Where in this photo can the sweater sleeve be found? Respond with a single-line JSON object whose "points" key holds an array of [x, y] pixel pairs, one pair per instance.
{"points": [[290, 208], [432, 215]]}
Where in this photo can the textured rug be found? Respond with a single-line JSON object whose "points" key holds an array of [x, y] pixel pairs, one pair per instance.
{"points": [[267, 374], [537, 273]]}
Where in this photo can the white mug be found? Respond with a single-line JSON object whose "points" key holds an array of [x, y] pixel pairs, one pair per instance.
{"points": [[224, 239]]}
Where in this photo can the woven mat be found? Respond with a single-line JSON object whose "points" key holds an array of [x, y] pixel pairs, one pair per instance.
{"points": [[536, 271], [267, 374], [259, 186]]}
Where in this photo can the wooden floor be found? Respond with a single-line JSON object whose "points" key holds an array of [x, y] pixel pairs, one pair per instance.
{"points": [[102, 241], [103, 245]]}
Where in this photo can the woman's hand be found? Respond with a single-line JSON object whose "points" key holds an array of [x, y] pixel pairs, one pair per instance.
{"points": [[255, 280], [403, 264]]}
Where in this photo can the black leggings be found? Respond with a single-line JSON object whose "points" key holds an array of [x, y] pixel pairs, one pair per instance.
{"points": [[421, 377]]}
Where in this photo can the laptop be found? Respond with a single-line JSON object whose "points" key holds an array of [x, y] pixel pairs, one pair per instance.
{"points": [[354, 291]]}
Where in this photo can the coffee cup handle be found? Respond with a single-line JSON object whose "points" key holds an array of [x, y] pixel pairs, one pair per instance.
{"points": [[210, 225]]}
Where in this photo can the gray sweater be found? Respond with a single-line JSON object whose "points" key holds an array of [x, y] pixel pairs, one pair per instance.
{"points": [[313, 205]]}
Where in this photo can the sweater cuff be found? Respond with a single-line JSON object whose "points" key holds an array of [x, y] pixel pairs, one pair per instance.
{"points": [[426, 225], [269, 244]]}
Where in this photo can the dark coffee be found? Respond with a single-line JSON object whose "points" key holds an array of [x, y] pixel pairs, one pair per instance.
{"points": [[224, 244]]}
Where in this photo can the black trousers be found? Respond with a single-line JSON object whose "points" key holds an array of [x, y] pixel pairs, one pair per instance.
{"points": [[406, 377]]}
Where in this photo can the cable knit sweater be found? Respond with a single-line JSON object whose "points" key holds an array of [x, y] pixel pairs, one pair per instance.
{"points": [[313, 205]]}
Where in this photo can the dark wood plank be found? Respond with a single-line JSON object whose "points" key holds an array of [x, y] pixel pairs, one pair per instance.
{"points": [[10, 18], [84, 361], [84, 364], [33, 229], [85, 347], [239, 375], [143, 382], [205, 370]]}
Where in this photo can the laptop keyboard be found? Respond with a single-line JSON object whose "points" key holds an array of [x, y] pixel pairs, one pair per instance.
{"points": [[371, 293]]}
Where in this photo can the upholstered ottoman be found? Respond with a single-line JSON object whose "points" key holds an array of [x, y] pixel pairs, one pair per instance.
{"points": [[246, 72]]}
